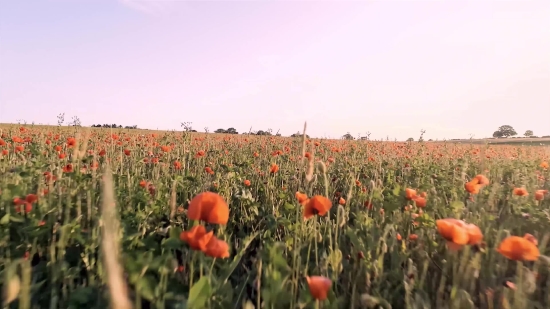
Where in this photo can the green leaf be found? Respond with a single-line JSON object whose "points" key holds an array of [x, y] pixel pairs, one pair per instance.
{"points": [[5, 219], [81, 296], [289, 206], [146, 288], [238, 257], [391, 207], [199, 294], [397, 190], [16, 218], [172, 243], [457, 206], [351, 234], [175, 232]]}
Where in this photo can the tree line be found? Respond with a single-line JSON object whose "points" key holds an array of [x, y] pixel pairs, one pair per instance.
{"points": [[114, 126], [508, 131], [503, 131]]}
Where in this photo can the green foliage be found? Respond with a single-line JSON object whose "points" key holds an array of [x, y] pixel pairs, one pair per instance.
{"points": [[505, 131], [379, 249]]}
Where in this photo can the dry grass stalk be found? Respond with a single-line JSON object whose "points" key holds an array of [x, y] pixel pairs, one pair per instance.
{"points": [[304, 142], [311, 165], [110, 247], [173, 200]]}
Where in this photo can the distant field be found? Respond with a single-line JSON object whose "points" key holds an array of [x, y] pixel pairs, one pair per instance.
{"points": [[502, 141], [507, 141], [217, 220]]}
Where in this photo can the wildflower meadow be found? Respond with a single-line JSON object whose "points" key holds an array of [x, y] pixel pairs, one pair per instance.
{"points": [[120, 218]]}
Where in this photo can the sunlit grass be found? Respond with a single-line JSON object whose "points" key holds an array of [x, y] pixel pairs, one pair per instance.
{"points": [[80, 248]]}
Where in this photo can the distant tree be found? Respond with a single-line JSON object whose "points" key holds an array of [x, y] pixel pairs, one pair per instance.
{"points": [[528, 133], [219, 131], [75, 123], [231, 131], [348, 136], [298, 134], [410, 139], [60, 119], [187, 126], [505, 131], [421, 138], [261, 132]]}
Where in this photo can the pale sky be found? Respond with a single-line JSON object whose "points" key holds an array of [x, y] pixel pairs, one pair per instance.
{"points": [[392, 68]]}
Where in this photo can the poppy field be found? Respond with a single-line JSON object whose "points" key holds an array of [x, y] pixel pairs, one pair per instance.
{"points": [[93, 218]]}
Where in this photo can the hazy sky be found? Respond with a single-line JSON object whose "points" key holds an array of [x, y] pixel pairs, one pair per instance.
{"points": [[392, 68]]}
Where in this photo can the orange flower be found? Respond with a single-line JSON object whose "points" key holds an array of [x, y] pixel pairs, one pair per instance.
{"points": [[200, 154], [539, 194], [31, 198], [420, 202], [71, 142], [482, 180], [302, 198], [520, 192], [209, 207], [472, 186], [196, 237], [18, 202], [318, 204], [458, 232], [544, 165], [319, 286], [68, 168], [410, 194], [342, 201], [49, 177], [247, 183], [368, 205], [217, 248], [518, 249], [531, 238], [274, 168]]}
